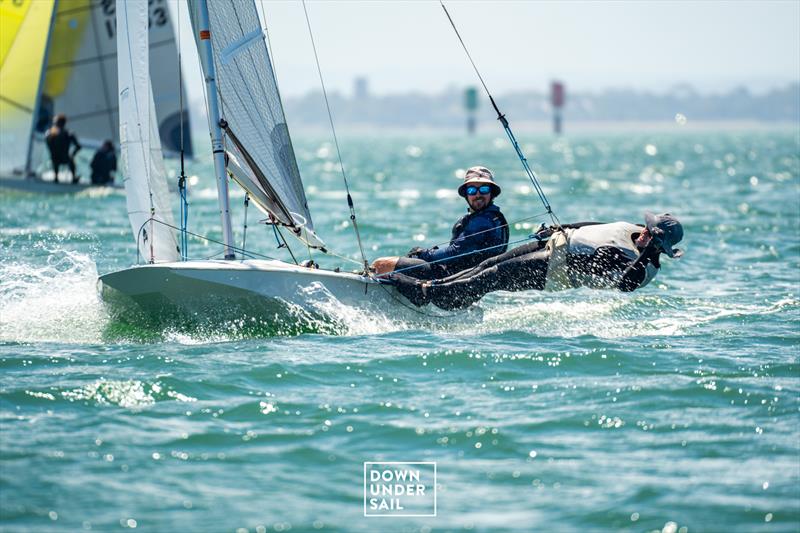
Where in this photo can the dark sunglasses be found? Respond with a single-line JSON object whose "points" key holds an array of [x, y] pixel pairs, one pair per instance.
{"points": [[473, 190]]}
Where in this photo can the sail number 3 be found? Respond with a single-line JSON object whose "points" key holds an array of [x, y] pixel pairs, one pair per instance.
{"points": [[158, 15]]}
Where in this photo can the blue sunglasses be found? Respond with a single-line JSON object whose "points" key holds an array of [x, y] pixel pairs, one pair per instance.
{"points": [[473, 190]]}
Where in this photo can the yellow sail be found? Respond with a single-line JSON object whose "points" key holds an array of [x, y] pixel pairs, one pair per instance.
{"points": [[71, 23], [24, 25]]}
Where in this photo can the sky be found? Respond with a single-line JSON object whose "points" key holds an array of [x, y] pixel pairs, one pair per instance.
{"points": [[403, 46]]}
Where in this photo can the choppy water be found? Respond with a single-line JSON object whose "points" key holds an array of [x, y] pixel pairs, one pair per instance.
{"points": [[672, 408]]}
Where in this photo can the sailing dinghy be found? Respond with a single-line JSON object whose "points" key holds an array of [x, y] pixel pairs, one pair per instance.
{"points": [[251, 144], [61, 56]]}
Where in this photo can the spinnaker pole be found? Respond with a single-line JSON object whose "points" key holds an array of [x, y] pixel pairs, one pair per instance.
{"points": [[214, 127], [38, 102]]}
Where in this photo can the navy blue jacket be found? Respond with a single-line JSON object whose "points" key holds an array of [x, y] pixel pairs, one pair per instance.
{"points": [[483, 232]]}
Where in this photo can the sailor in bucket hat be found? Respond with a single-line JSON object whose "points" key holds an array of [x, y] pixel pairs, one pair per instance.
{"points": [[479, 235], [477, 177]]}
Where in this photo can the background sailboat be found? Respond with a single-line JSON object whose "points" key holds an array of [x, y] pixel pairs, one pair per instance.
{"points": [[73, 45]]}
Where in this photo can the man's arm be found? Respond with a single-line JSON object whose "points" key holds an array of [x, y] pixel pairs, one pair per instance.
{"points": [[479, 237], [74, 141], [634, 275]]}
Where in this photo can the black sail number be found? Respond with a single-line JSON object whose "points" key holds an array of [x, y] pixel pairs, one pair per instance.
{"points": [[157, 17]]}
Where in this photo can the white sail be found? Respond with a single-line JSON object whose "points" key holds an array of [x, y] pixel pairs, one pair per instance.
{"points": [[142, 164], [80, 77], [256, 133]]}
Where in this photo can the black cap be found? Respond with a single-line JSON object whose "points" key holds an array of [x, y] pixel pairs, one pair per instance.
{"points": [[665, 230]]}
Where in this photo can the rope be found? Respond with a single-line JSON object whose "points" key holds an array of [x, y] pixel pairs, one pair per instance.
{"points": [[285, 244], [203, 237], [465, 254], [394, 296], [344, 257], [507, 224], [336, 141], [502, 118], [184, 204]]}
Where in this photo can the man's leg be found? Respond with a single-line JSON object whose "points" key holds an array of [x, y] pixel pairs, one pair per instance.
{"points": [[517, 273], [55, 165], [525, 271], [511, 254], [71, 165], [415, 267]]}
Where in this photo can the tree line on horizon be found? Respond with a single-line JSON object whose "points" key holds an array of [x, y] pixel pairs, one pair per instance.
{"points": [[446, 109]]}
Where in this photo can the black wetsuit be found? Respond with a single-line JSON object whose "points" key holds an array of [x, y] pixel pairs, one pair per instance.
{"points": [[477, 236], [103, 163], [525, 268], [58, 142]]}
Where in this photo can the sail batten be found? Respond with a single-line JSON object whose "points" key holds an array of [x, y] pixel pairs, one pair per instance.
{"points": [[252, 109]]}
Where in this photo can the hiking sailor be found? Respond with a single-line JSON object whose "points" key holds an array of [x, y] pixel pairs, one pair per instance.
{"points": [[479, 235], [619, 255], [59, 139]]}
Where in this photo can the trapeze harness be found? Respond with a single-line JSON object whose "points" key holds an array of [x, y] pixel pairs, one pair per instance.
{"points": [[594, 256]]}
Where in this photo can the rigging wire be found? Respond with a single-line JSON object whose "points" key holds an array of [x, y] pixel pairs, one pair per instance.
{"points": [[285, 244], [502, 118], [465, 254], [204, 238], [184, 205], [506, 225], [336, 141]]}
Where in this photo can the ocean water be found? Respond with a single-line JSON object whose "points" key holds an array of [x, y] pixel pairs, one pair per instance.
{"points": [[674, 408]]}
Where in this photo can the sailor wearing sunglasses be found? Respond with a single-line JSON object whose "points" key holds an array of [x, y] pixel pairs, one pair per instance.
{"points": [[477, 236]]}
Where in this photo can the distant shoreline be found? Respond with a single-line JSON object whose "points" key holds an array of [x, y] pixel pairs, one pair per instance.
{"points": [[545, 127]]}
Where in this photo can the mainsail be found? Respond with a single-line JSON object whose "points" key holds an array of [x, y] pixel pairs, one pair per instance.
{"points": [[257, 138], [24, 26], [142, 164], [81, 74]]}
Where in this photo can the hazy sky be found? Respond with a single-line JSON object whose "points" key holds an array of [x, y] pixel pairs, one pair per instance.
{"points": [[402, 46]]}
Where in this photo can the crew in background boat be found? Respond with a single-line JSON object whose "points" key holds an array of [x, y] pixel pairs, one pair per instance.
{"points": [[477, 236], [103, 164], [619, 255], [59, 139]]}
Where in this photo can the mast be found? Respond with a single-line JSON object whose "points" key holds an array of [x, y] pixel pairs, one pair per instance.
{"points": [[214, 122], [37, 102]]}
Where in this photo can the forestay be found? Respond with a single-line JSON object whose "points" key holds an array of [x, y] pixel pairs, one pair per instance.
{"points": [[142, 163], [257, 137]]}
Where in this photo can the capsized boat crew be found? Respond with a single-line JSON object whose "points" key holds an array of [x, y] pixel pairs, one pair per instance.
{"points": [[619, 255], [479, 235]]}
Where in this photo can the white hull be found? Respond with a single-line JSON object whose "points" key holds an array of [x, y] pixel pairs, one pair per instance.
{"points": [[214, 290]]}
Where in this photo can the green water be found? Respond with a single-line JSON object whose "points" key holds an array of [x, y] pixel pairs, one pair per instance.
{"points": [[674, 407]]}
